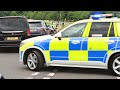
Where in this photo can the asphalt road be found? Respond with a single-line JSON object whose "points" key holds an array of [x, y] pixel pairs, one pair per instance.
{"points": [[11, 68]]}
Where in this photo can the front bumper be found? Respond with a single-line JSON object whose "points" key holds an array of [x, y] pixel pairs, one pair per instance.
{"points": [[10, 43]]}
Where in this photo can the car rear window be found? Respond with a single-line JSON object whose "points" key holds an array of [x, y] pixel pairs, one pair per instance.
{"points": [[13, 23], [35, 24]]}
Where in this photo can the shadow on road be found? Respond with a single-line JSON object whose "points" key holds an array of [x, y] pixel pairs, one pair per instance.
{"points": [[9, 50], [76, 70]]}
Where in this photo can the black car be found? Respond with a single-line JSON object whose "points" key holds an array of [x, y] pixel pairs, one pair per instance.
{"points": [[13, 29]]}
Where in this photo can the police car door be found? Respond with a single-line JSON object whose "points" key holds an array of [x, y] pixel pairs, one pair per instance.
{"points": [[100, 40], [69, 47]]}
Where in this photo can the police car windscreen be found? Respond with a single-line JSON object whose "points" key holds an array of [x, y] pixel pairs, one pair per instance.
{"points": [[13, 24]]}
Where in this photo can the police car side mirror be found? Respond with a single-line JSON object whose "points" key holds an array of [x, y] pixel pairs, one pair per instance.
{"points": [[59, 37]]}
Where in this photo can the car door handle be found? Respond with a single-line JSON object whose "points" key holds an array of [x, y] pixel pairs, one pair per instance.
{"points": [[75, 42], [110, 41]]}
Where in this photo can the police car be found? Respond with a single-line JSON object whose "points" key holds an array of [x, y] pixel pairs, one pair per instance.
{"points": [[88, 43]]}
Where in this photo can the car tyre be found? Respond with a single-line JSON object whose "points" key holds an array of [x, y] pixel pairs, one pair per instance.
{"points": [[114, 65], [35, 60]]}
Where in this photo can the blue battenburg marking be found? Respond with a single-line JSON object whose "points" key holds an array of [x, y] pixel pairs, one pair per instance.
{"points": [[85, 44], [104, 59], [58, 58], [112, 45], [96, 55], [118, 39], [118, 44], [59, 55], [95, 59], [73, 46], [118, 48], [21, 55], [43, 45]]}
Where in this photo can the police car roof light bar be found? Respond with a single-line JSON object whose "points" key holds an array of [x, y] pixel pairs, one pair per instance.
{"points": [[98, 16]]}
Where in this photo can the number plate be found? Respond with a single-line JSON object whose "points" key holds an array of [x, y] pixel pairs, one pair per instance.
{"points": [[12, 38], [32, 29]]}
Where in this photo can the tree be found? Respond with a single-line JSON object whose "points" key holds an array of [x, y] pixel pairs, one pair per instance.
{"points": [[51, 15], [13, 13]]}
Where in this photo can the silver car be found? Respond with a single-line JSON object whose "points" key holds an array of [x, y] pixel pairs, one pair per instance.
{"points": [[37, 27]]}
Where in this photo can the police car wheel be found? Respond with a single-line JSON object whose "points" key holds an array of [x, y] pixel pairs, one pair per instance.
{"points": [[35, 61], [114, 65]]}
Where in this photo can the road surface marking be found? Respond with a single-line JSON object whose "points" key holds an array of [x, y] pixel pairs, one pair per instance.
{"points": [[118, 77], [34, 74], [51, 74], [46, 77], [29, 78]]}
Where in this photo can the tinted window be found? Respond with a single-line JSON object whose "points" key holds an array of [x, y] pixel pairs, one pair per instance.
{"points": [[74, 31], [13, 23], [35, 24], [99, 29]]}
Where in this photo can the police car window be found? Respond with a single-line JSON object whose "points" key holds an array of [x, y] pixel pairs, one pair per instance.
{"points": [[74, 31], [99, 29]]}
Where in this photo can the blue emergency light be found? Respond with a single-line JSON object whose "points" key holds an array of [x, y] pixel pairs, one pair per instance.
{"points": [[95, 15], [98, 14]]}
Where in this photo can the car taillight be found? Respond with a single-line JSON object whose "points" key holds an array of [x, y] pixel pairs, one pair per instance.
{"points": [[28, 32]]}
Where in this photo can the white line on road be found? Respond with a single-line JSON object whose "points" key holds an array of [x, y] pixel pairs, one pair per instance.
{"points": [[51, 74], [118, 77], [46, 77], [29, 78], [34, 74]]}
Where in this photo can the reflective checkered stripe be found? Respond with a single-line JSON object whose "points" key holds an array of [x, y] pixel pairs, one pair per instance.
{"points": [[88, 49], [99, 48], [29, 44], [58, 49], [80, 48], [24, 47], [44, 45]]}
